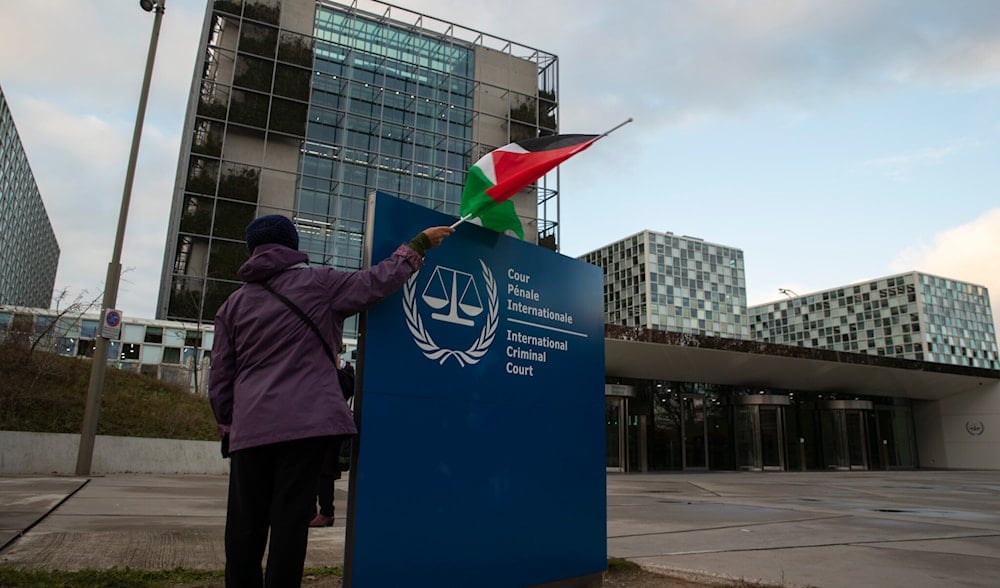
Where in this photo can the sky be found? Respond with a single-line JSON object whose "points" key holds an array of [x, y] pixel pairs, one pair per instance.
{"points": [[832, 142]]}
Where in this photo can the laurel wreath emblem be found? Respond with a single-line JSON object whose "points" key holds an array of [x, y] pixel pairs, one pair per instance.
{"points": [[423, 339]]}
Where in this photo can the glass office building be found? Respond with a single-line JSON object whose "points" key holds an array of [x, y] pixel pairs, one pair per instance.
{"points": [[909, 316], [304, 108], [29, 252], [673, 283]]}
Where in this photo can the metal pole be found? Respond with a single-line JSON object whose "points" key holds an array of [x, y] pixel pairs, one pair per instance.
{"points": [[100, 361]]}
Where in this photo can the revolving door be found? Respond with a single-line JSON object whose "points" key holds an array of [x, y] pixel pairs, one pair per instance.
{"points": [[844, 433], [759, 422]]}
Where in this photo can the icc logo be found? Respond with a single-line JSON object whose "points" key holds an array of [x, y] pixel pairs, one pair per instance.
{"points": [[455, 299]]}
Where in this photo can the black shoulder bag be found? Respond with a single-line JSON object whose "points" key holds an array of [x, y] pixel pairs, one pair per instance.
{"points": [[346, 380]]}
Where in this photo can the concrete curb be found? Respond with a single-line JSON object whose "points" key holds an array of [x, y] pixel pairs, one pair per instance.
{"points": [[26, 453]]}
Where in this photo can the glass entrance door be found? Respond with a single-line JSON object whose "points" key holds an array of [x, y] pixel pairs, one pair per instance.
{"points": [[614, 416], [760, 431], [747, 442], [772, 437], [693, 433], [895, 437], [844, 432], [857, 454]]}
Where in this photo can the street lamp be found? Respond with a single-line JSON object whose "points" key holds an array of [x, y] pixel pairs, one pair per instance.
{"points": [[787, 292], [100, 362]]}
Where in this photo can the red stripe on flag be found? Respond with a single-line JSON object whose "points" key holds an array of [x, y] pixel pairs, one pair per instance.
{"points": [[514, 171]]}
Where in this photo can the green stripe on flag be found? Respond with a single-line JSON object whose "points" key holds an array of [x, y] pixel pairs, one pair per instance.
{"points": [[496, 216], [501, 217], [474, 195]]}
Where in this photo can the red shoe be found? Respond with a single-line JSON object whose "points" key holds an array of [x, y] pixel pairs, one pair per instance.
{"points": [[321, 520]]}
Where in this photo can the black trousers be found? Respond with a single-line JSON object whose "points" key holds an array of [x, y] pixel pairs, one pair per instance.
{"points": [[272, 488]]}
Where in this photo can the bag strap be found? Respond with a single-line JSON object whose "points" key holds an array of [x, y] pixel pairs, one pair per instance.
{"points": [[305, 318]]}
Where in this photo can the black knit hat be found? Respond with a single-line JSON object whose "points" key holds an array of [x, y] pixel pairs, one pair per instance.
{"points": [[272, 228]]}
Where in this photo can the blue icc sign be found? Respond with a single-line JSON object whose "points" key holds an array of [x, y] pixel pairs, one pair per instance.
{"points": [[481, 460]]}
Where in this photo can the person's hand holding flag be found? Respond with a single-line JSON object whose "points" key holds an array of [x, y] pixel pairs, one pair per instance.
{"points": [[429, 238], [437, 234]]}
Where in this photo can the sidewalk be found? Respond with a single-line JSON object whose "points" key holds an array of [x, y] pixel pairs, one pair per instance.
{"points": [[918, 529], [137, 521], [830, 529]]}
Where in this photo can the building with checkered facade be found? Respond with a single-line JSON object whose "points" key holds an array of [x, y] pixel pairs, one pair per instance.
{"points": [[674, 283], [910, 316]]}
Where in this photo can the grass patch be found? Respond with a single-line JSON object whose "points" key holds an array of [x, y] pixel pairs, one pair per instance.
{"points": [[47, 393], [129, 578], [617, 565], [111, 578]]}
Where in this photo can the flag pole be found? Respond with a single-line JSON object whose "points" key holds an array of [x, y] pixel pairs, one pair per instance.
{"points": [[620, 125], [601, 136]]}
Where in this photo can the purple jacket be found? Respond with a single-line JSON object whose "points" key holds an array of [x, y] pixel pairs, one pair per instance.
{"points": [[271, 380]]}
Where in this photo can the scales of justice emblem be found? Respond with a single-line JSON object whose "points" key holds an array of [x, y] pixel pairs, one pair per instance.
{"points": [[454, 294]]}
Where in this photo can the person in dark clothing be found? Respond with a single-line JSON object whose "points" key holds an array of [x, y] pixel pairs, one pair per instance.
{"points": [[328, 474], [275, 392], [330, 470]]}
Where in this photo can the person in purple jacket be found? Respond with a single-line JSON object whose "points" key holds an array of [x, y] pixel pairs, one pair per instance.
{"points": [[275, 394]]}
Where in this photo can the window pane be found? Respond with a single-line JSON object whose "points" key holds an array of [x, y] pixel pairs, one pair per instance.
{"points": [[226, 258], [171, 355], [133, 333], [154, 335], [232, 218], [88, 328], [152, 354], [130, 351]]}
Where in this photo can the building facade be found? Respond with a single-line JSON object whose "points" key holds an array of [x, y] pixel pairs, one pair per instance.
{"points": [[909, 316], [668, 282], [697, 381], [303, 108], [29, 252], [677, 401], [171, 351]]}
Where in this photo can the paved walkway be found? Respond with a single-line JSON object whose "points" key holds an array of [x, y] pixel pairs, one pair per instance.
{"points": [[833, 529], [830, 529]]}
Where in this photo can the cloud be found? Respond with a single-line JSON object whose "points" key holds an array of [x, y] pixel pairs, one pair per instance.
{"points": [[898, 167], [967, 253], [77, 181], [688, 60], [72, 137], [43, 54]]}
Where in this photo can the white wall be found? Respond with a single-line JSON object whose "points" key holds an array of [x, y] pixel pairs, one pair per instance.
{"points": [[960, 431], [56, 453]]}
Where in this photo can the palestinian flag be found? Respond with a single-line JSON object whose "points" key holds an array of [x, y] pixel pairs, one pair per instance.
{"points": [[506, 171]]}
